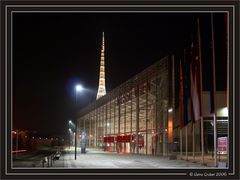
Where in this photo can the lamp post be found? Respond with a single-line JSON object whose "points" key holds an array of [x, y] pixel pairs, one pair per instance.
{"points": [[78, 88], [75, 135], [16, 133], [70, 123], [69, 135]]}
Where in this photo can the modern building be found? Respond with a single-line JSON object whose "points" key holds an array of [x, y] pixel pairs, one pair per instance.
{"points": [[132, 118], [141, 115]]}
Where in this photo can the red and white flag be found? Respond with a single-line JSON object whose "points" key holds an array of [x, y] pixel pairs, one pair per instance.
{"points": [[196, 75]]}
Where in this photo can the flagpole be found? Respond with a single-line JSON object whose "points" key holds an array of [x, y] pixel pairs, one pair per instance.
{"points": [[215, 139], [173, 98], [193, 140], [180, 143], [202, 140], [186, 153], [201, 117], [227, 53], [214, 91], [186, 143], [181, 110]]}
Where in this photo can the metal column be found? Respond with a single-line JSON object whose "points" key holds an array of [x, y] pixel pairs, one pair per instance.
{"points": [[147, 119], [137, 119]]}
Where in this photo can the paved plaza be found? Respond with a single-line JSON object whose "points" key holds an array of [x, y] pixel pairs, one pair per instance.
{"points": [[96, 159], [99, 159]]}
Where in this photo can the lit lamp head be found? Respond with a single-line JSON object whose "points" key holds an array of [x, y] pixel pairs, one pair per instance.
{"points": [[222, 112], [79, 88]]}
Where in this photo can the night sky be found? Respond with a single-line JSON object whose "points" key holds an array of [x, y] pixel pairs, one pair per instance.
{"points": [[53, 52]]}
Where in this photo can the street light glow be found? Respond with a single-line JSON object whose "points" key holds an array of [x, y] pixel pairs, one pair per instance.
{"points": [[222, 112], [70, 129], [79, 88], [70, 121]]}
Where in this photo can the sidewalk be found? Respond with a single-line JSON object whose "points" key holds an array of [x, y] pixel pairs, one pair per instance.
{"points": [[98, 159], [208, 159]]}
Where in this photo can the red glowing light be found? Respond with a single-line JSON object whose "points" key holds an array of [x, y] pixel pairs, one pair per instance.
{"points": [[19, 151]]}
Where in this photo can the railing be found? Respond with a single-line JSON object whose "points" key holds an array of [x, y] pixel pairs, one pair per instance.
{"points": [[48, 161]]}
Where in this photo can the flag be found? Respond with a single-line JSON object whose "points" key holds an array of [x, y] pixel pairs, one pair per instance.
{"points": [[181, 107], [226, 50], [208, 56], [212, 71], [186, 85], [196, 75]]}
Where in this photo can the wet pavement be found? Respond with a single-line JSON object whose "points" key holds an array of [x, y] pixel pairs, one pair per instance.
{"points": [[96, 159]]}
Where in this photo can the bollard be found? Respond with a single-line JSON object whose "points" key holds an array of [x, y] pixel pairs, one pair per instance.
{"points": [[48, 161], [51, 160], [43, 163], [45, 160]]}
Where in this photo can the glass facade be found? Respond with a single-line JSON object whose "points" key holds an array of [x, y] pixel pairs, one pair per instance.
{"points": [[141, 116], [133, 118]]}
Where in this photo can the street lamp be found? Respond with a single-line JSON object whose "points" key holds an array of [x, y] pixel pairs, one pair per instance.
{"points": [[69, 133], [70, 123], [16, 133], [78, 88]]}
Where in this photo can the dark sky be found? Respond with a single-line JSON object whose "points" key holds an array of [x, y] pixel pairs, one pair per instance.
{"points": [[53, 52]]}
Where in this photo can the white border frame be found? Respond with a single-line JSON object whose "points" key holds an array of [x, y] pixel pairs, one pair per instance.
{"points": [[108, 6]]}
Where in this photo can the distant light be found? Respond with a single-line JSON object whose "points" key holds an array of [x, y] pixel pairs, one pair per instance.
{"points": [[14, 132], [223, 112], [32, 137], [40, 138], [25, 136], [108, 124], [70, 129], [70, 121], [19, 151], [79, 88], [170, 110], [74, 133]]}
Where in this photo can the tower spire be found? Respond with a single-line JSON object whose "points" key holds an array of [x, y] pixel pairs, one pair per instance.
{"points": [[101, 87]]}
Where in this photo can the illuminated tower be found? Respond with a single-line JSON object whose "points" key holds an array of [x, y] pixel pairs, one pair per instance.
{"points": [[101, 87]]}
